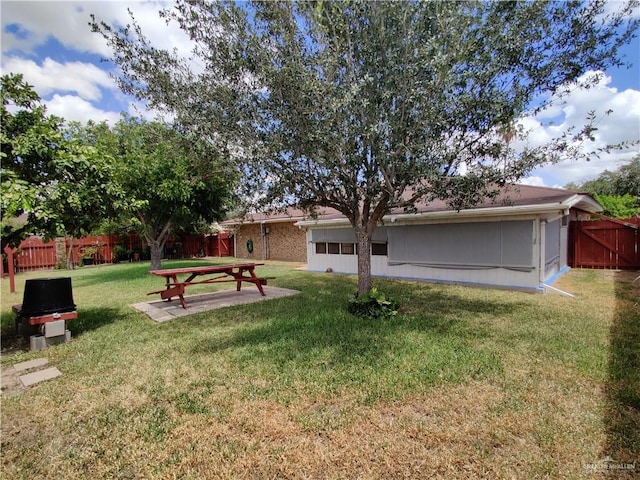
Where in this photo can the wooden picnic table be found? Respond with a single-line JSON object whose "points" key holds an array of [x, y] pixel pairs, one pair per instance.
{"points": [[239, 273]]}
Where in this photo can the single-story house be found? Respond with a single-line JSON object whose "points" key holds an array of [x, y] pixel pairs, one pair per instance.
{"points": [[517, 240]]}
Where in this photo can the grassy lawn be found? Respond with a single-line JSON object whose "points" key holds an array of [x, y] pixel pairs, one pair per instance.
{"points": [[463, 383]]}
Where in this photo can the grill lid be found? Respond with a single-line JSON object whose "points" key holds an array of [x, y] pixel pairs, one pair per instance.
{"points": [[43, 296]]}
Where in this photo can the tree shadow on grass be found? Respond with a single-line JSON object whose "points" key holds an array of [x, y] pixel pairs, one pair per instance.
{"points": [[622, 416], [129, 271], [313, 333], [92, 319]]}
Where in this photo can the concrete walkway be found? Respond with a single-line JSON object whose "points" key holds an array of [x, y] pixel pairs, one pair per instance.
{"points": [[162, 310]]}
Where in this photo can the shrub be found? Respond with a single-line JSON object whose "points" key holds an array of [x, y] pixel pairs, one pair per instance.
{"points": [[374, 304]]}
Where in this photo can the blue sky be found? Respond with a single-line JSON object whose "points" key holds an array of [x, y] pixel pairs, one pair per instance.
{"points": [[51, 44]]}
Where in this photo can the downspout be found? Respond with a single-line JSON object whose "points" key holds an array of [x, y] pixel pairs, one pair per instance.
{"points": [[263, 233], [235, 243], [557, 290], [541, 251]]}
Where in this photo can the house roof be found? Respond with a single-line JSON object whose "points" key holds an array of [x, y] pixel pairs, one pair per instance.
{"points": [[513, 199]]}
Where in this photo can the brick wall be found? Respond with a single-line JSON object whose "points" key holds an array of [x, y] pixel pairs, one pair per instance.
{"points": [[284, 242]]}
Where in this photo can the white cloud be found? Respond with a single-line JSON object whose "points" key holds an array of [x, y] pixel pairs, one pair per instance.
{"points": [[562, 173], [138, 109], [85, 79], [68, 22], [613, 6], [74, 108], [65, 21], [533, 181], [622, 124], [84, 83]]}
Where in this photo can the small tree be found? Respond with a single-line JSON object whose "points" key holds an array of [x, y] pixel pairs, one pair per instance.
{"points": [[170, 180], [369, 106]]}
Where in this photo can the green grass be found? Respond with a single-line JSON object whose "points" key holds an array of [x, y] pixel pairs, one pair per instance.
{"points": [[461, 381]]}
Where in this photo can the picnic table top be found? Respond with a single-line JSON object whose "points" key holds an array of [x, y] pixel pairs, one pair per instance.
{"points": [[203, 270]]}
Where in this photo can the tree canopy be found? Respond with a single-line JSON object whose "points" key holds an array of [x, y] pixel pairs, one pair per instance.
{"points": [[617, 191], [618, 206], [368, 106], [52, 183], [171, 180]]}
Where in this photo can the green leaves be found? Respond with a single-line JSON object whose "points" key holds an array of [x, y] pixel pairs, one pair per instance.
{"points": [[619, 206], [373, 304], [53, 182], [624, 181]]}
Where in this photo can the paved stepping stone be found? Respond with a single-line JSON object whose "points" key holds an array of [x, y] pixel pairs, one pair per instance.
{"points": [[39, 376], [38, 362]]}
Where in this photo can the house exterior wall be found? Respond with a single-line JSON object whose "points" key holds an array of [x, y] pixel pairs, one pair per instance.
{"points": [[284, 241], [244, 233], [528, 273]]}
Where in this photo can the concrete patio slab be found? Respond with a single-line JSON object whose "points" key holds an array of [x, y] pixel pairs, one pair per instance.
{"points": [[162, 310]]}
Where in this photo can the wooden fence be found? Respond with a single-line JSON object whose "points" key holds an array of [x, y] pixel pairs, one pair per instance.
{"points": [[609, 244], [35, 254]]}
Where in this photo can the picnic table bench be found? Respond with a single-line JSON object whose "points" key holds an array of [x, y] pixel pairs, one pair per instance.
{"points": [[223, 273]]}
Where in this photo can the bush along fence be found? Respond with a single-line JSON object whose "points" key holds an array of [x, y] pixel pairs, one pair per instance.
{"points": [[36, 254]]}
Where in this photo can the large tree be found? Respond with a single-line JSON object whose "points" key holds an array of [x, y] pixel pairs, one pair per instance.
{"points": [[617, 191], [52, 183], [170, 179], [623, 181], [367, 106]]}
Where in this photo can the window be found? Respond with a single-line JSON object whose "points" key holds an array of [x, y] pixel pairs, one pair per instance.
{"points": [[378, 248], [347, 248], [333, 248]]}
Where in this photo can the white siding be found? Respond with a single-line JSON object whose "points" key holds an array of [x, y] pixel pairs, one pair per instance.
{"points": [[527, 278]]}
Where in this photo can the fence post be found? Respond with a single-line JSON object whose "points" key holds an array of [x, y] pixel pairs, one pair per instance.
{"points": [[12, 273]]}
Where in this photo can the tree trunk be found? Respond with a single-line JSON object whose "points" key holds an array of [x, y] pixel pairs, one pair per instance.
{"points": [[156, 255], [156, 242], [69, 259], [364, 260]]}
